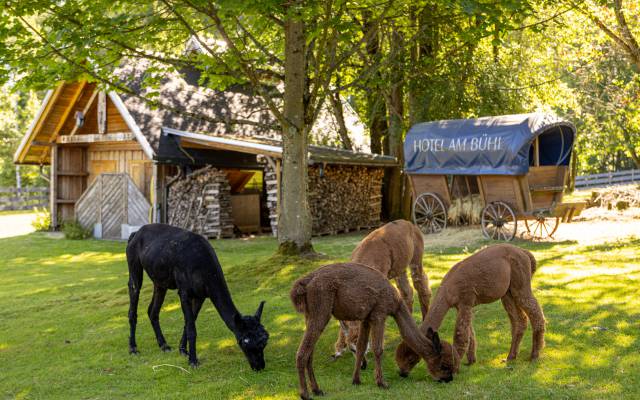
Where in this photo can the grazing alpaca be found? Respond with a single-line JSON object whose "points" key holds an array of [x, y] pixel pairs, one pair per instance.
{"points": [[389, 249], [354, 292], [178, 259], [500, 272]]}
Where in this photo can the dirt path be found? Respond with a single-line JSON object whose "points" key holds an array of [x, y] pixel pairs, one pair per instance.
{"points": [[594, 226], [16, 224]]}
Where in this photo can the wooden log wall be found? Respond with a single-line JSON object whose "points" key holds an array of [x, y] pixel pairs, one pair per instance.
{"points": [[201, 202], [344, 198]]}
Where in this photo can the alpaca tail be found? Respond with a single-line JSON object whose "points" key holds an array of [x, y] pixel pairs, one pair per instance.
{"points": [[298, 294], [534, 263]]}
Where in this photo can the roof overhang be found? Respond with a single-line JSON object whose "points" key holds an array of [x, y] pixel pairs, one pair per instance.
{"points": [[317, 154], [27, 139]]}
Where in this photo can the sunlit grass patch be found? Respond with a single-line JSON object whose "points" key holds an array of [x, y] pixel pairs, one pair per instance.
{"points": [[64, 327]]}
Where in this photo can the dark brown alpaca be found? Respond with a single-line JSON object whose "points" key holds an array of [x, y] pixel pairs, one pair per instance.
{"points": [[500, 272], [355, 292], [390, 249]]}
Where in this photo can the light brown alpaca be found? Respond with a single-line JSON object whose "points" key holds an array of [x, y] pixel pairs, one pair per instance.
{"points": [[390, 249], [355, 292], [500, 272]]}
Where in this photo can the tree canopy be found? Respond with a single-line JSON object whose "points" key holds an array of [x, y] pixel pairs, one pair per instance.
{"points": [[398, 62]]}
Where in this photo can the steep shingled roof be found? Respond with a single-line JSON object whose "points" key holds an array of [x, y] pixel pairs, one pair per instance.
{"points": [[192, 108]]}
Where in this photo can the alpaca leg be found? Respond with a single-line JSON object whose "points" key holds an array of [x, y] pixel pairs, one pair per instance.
{"points": [[190, 323], [377, 344], [420, 282], [352, 341], [312, 377], [135, 283], [341, 343], [518, 320], [313, 330], [405, 289], [533, 310], [461, 335], [471, 351], [196, 305], [361, 348], [154, 315]]}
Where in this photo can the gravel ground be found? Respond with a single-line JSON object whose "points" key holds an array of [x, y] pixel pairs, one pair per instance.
{"points": [[16, 224]]}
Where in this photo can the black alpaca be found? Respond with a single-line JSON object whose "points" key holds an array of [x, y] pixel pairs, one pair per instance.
{"points": [[178, 259]]}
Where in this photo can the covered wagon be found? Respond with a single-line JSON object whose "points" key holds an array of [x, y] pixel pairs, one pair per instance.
{"points": [[516, 164]]}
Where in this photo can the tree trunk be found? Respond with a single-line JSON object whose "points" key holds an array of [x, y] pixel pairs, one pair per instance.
{"points": [[630, 145], [396, 115], [294, 220], [336, 103], [376, 107]]}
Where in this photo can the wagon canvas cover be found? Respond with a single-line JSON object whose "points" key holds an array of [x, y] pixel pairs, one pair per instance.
{"points": [[487, 146]]}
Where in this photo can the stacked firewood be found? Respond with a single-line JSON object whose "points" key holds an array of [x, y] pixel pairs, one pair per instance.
{"points": [[616, 197], [201, 202], [344, 198], [271, 186]]}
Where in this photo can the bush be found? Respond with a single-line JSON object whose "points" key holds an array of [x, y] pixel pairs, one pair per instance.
{"points": [[42, 222], [74, 231]]}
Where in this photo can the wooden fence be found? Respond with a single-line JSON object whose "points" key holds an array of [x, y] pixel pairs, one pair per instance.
{"points": [[608, 179], [23, 198]]}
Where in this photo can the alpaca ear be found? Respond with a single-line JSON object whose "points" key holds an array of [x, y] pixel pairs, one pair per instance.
{"points": [[430, 333], [435, 339], [259, 312]]}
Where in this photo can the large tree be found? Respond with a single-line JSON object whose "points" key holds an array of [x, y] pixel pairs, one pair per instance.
{"points": [[289, 52]]}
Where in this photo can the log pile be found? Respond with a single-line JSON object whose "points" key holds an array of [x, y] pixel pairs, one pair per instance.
{"points": [[201, 202], [344, 198], [271, 186], [617, 197]]}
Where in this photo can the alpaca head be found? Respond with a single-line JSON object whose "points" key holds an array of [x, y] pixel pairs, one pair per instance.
{"points": [[441, 365], [252, 337]]}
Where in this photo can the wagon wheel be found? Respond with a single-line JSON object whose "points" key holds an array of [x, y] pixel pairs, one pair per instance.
{"points": [[542, 227], [499, 221], [429, 213]]}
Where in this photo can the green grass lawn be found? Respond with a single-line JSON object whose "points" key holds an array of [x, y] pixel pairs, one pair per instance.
{"points": [[64, 329]]}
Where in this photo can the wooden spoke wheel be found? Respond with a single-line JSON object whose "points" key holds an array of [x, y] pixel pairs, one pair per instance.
{"points": [[429, 213], [499, 221], [541, 227]]}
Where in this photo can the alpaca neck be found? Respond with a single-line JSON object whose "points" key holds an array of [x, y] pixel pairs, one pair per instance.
{"points": [[411, 334], [221, 299], [437, 311]]}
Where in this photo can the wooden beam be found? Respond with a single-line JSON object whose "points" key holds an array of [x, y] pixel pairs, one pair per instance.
{"points": [[536, 153], [53, 187], [230, 147], [41, 144], [65, 114], [85, 110], [96, 138], [50, 101]]}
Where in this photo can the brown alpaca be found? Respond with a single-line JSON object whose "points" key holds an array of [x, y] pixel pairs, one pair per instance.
{"points": [[389, 249], [500, 272], [355, 292]]}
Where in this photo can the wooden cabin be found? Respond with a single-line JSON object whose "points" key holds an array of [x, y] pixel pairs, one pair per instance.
{"points": [[114, 159]]}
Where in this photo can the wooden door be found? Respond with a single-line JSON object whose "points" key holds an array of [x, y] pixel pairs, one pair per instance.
{"points": [[140, 173], [97, 167], [113, 205]]}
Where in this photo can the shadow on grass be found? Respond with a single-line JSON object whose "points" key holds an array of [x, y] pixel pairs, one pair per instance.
{"points": [[67, 328]]}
